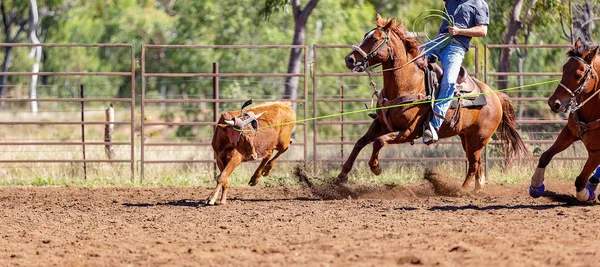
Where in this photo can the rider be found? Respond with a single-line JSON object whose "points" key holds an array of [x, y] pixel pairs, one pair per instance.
{"points": [[595, 179], [471, 18]]}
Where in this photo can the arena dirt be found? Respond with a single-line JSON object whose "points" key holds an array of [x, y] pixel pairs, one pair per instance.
{"points": [[298, 226]]}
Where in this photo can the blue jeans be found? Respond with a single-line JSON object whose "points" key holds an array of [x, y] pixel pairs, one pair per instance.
{"points": [[597, 173], [452, 56]]}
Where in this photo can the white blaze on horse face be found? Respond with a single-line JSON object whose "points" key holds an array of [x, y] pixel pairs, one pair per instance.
{"points": [[357, 47], [369, 34], [538, 177]]}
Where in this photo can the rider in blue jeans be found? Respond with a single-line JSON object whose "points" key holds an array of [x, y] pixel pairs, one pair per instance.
{"points": [[471, 18], [595, 179]]}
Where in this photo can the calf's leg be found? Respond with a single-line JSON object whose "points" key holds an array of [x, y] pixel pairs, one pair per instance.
{"points": [[223, 179], [259, 170]]}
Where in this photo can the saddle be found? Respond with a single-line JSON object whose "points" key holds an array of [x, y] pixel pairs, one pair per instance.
{"points": [[467, 93], [467, 90]]}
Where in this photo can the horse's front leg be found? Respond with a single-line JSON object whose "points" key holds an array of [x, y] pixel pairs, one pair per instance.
{"points": [[380, 142], [585, 190], [563, 141], [376, 130]]}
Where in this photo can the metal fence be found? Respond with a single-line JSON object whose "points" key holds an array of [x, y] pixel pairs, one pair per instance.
{"points": [[82, 99], [216, 99], [329, 96]]}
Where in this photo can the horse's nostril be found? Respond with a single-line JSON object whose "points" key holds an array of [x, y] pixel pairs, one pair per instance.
{"points": [[350, 60], [556, 106]]}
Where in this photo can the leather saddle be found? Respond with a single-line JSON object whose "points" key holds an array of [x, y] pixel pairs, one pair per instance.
{"points": [[466, 87]]}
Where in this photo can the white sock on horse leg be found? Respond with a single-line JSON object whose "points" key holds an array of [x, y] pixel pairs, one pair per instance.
{"points": [[584, 195], [538, 177]]}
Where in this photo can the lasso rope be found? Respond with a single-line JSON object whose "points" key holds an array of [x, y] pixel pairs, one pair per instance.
{"points": [[398, 105]]}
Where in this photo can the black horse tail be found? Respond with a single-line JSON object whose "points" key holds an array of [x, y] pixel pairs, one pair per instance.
{"points": [[512, 143]]}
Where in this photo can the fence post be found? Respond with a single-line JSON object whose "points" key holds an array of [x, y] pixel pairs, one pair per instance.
{"points": [[108, 131], [216, 115], [342, 122], [83, 131]]}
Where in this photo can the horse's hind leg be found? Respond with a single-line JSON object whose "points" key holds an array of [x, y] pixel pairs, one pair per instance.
{"points": [[473, 148], [375, 130], [563, 141]]}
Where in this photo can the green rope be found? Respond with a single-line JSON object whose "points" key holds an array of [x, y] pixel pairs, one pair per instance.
{"points": [[398, 105], [426, 17]]}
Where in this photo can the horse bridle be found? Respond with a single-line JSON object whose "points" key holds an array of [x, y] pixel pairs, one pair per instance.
{"points": [[373, 52], [573, 106]]}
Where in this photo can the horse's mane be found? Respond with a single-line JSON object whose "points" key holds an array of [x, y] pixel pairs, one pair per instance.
{"points": [[579, 51], [411, 44]]}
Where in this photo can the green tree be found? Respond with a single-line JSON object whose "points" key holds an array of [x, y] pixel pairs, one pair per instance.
{"points": [[301, 15]]}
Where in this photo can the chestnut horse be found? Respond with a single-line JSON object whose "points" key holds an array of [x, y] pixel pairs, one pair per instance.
{"points": [[576, 94], [388, 45]]}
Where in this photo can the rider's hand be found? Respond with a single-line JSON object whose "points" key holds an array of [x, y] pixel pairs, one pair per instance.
{"points": [[453, 30]]}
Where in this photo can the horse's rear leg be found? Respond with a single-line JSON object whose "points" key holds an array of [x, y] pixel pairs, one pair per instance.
{"points": [[563, 141], [375, 130], [473, 148], [583, 193]]}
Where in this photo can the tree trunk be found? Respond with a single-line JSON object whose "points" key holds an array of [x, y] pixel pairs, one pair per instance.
{"points": [[35, 52], [586, 21], [300, 19], [514, 26], [4, 80]]}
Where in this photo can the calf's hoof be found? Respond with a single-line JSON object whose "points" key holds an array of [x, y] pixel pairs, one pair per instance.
{"points": [[266, 171], [536, 191]]}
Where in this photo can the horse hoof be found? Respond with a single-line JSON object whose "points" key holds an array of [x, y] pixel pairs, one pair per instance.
{"points": [[536, 192], [585, 195], [341, 180], [376, 170]]}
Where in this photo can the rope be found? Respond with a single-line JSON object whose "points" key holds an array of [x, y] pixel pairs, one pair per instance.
{"points": [[396, 106]]}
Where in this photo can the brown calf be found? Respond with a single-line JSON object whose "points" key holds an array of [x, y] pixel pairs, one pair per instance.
{"points": [[276, 120]]}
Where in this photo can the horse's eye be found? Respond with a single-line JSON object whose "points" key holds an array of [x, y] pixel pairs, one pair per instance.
{"points": [[374, 40], [578, 76]]}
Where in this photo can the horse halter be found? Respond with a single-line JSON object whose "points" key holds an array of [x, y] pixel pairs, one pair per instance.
{"points": [[573, 105], [374, 51]]}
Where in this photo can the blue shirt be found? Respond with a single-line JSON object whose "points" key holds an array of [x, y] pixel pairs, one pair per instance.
{"points": [[466, 14]]}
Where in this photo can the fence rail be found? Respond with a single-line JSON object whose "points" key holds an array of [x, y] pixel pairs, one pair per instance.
{"points": [[312, 104], [131, 73]]}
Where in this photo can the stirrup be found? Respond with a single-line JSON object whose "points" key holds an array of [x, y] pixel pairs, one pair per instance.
{"points": [[372, 115], [430, 135]]}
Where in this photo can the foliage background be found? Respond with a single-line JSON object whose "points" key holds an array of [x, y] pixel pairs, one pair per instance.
{"points": [[238, 22]]}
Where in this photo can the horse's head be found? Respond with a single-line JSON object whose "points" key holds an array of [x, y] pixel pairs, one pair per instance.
{"points": [[578, 78], [377, 45]]}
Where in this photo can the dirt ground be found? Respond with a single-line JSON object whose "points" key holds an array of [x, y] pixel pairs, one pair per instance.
{"points": [[420, 224]]}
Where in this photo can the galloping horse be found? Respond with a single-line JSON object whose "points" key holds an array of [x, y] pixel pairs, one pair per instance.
{"points": [[403, 82], [577, 94]]}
